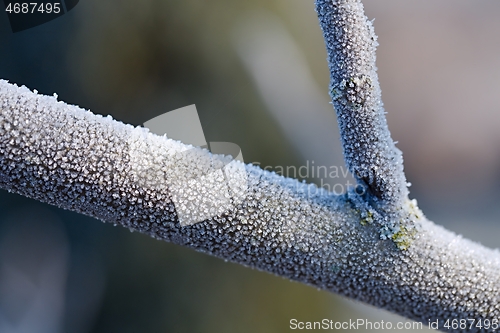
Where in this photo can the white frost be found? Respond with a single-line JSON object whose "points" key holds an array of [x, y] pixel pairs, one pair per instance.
{"points": [[71, 158]]}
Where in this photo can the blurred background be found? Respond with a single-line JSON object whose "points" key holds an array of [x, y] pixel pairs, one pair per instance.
{"points": [[257, 73]]}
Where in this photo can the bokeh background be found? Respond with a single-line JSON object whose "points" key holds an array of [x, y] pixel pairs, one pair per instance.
{"points": [[257, 73]]}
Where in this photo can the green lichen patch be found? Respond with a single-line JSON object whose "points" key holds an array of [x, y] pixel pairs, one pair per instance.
{"points": [[366, 218], [404, 237], [405, 233]]}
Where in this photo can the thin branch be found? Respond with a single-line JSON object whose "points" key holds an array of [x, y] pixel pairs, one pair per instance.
{"points": [[71, 158], [369, 150]]}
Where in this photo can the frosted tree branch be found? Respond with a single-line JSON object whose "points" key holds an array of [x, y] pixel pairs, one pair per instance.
{"points": [[71, 158], [376, 247], [369, 150]]}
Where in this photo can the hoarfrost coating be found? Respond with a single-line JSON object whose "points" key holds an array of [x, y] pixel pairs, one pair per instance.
{"points": [[369, 151], [71, 158]]}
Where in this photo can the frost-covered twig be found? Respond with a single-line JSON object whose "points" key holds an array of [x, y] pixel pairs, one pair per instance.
{"points": [[71, 158], [369, 150]]}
